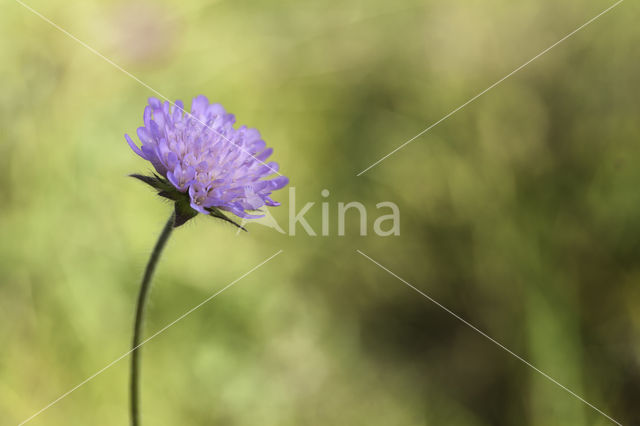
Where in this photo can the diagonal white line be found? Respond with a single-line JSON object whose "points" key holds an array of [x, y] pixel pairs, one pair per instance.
{"points": [[64, 395], [518, 357], [97, 53], [489, 88]]}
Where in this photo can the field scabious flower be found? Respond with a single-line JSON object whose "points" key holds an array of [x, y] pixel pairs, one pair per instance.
{"points": [[203, 163]]}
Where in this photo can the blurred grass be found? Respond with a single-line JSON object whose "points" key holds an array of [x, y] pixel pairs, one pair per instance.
{"points": [[520, 213]]}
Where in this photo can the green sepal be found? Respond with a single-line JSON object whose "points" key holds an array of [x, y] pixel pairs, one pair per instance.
{"points": [[215, 212], [184, 212], [160, 184]]}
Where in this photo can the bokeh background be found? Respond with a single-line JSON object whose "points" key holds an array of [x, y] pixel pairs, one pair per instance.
{"points": [[521, 213]]}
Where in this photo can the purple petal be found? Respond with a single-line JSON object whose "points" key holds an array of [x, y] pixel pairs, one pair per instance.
{"points": [[144, 136], [277, 183], [199, 105], [264, 154], [198, 208], [133, 146], [155, 103]]}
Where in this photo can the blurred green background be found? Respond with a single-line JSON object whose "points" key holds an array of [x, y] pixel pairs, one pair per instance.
{"points": [[521, 213]]}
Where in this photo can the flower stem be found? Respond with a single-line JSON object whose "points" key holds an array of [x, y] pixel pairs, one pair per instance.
{"points": [[137, 328]]}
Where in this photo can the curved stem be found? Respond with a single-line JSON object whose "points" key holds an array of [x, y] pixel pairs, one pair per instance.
{"points": [[137, 328]]}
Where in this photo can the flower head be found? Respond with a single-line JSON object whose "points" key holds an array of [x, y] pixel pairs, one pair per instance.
{"points": [[203, 162]]}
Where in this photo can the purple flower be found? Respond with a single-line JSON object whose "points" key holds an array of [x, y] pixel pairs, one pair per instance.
{"points": [[203, 160]]}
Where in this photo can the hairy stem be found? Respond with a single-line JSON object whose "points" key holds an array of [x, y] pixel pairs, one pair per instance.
{"points": [[137, 327]]}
